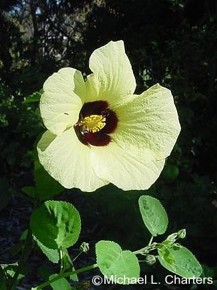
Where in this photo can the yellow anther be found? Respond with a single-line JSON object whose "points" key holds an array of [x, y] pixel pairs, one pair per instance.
{"points": [[93, 123]]}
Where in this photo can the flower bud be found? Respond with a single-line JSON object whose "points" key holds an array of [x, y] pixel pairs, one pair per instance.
{"points": [[181, 234], [150, 259]]}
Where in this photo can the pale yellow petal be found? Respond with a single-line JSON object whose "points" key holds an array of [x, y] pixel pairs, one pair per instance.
{"points": [[61, 101], [127, 169], [150, 121], [67, 160], [112, 79]]}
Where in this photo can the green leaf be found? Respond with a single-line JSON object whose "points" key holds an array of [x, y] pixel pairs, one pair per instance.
{"points": [[60, 284], [29, 190], [24, 235], [117, 265], [153, 214], [51, 254], [11, 269], [208, 271], [179, 260], [3, 285], [33, 98], [170, 173], [56, 224], [46, 186]]}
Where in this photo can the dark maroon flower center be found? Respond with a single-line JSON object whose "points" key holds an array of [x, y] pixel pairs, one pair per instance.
{"points": [[96, 122]]}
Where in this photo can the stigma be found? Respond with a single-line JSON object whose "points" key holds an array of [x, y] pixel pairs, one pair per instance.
{"points": [[92, 123], [95, 124]]}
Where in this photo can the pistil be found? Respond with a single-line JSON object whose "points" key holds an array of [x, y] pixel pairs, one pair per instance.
{"points": [[92, 123]]}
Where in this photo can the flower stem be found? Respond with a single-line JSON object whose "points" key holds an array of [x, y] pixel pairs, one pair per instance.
{"points": [[64, 275], [78, 255], [61, 261], [150, 247]]}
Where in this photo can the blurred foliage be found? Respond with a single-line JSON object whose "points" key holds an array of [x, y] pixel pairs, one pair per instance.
{"points": [[172, 42]]}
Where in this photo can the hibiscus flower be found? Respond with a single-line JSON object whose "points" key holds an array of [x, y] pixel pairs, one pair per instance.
{"points": [[99, 131]]}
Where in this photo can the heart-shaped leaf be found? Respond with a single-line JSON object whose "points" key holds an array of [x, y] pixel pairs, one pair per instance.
{"points": [[122, 267], [56, 224]]}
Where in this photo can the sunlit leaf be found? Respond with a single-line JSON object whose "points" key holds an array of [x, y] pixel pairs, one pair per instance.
{"points": [[153, 214], [33, 98], [180, 260], [56, 224], [116, 264], [60, 284], [51, 254]]}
